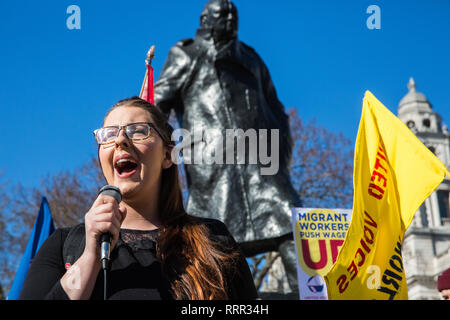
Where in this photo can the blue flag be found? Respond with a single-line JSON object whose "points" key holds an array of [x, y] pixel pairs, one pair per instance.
{"points": [[43, 228]]}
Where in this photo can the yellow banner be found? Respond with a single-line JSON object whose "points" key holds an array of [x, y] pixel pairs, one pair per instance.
{"points": [[393, 174]]}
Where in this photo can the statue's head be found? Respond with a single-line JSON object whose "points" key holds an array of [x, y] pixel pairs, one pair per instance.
{"points": [[220, 16]]}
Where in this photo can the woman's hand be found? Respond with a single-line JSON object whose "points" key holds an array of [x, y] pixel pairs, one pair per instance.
{"points": [[105, 216]]}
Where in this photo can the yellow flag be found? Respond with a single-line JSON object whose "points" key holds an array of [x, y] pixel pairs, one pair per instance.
{"points": [[393, 174]]}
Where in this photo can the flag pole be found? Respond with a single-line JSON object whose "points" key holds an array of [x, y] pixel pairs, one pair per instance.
{"points": [[148, 61]]}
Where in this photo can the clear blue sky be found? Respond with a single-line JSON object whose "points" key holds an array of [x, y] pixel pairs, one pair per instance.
{"points": [[56, 84]]}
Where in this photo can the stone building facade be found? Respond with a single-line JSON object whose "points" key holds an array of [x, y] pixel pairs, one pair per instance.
{"points": [[426, 246]]}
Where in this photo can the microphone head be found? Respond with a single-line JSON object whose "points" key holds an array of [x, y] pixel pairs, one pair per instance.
{"points": [[111, 191]]}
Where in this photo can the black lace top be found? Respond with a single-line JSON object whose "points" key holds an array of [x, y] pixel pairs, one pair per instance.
{"points": [[136, 272], [138, 239]]}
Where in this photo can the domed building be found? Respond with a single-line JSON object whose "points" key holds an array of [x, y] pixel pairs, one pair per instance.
{"points": [[426, 246]]}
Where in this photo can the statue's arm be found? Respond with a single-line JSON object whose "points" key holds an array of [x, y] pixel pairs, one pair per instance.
{"points": [[282, 119], [173, 75]]}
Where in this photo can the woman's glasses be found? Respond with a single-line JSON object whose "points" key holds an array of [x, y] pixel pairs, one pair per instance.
{"points": [[134, 131]]}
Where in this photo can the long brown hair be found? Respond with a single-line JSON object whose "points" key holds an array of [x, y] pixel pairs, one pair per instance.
{"points": [[195, 264]]}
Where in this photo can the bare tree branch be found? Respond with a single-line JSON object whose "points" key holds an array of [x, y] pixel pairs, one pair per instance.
{"points": [[269, 259]]}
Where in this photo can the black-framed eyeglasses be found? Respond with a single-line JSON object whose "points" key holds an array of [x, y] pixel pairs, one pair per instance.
{"points": [[134, 131]]}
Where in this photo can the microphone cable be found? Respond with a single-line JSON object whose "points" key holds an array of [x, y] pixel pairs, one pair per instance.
{"points": [[105, 240], [105, 283]]}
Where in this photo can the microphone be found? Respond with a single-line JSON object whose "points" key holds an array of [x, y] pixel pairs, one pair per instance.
{"points": [[105, 238]]}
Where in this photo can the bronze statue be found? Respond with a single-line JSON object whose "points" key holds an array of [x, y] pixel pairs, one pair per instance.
{"points": [[215, 81]]}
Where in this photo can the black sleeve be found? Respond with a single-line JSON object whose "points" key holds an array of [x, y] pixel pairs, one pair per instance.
{"points": [[173, 76], [278, 118], [241, 285], [47, 268]]}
